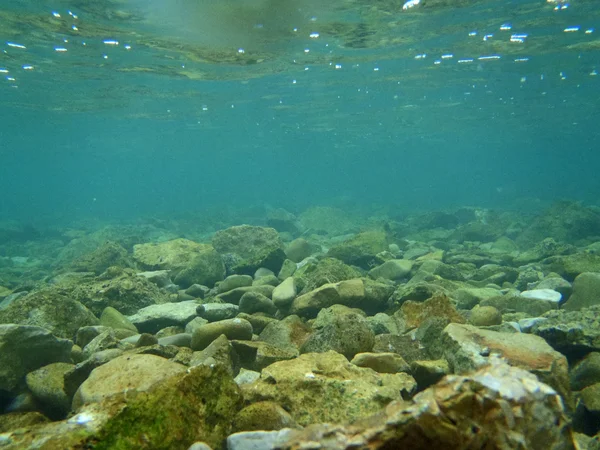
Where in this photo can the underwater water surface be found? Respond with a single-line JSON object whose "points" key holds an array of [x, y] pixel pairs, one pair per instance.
{"points": [[126, 109]]}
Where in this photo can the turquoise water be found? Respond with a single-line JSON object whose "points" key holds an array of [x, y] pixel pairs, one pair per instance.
{"points": [[126, 109]]}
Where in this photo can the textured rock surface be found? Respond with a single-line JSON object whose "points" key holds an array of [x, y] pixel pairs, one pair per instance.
{"points": [[325, 387], [498, 407]]}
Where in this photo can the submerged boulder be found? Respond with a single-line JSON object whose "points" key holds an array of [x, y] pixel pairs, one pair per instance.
{"points": [[250, 248]]}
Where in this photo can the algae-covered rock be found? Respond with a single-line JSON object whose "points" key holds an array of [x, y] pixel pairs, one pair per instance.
{"points": [[156, 317], [299, 249], [127, 293], [342, 329], [198, 404], [189, 262], [571, 266], [325, 387], [24, 349], [586, 292], [485, 316], [327, 270], [362, 249], [231, 328], [49, 309], [467, 348], [517, 411], [263, 416], [413, 314], [328, 220], [106, 255], [394, 269], [114, 319], [47, 384], [251, 247]]}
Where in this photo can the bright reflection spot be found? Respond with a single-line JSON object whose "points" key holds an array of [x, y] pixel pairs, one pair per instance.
{"points": [[3, 70], [506, 27], [589, 31], [410, 4], [14, 45], [520, 38], [447, 56], [74, 28], [421, 56], [488, 36], [313, 35], [110, 42], [60, 49], [127, 47], [473, 33], [593, 73], [306, 50], [55, 14], [338, 66], [27, 67], [10, 78], [487, 58], [521, 59], [241, 51], [464, 61], [571, 29]]}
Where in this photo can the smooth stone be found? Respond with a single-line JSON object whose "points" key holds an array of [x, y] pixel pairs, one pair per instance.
{"points": [[114, 319], [263, 272], [213, 312], [179, 340], [257, 440], [485, 316], [284, 294], [231, 328], [159, 277], [394, 269], [233, 282], [253, 302], [154, 317], [543, 294]]}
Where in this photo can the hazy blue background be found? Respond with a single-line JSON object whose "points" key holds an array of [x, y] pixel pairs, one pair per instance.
{"points": [[354, 136]]}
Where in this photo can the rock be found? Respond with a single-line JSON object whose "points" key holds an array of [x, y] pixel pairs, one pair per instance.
{"points": [[231, 328], [288, 268], [252, 302], [362, 249], [586, 372], [51, 310], [548, 295], [589, 408], [468, 298], [288, 334], [381, 323], [571, 266], [520, 412], [196, 405], [106, 255], [252, 247], [24, 349], [317, 376], [394, 269], [233, 282], [428, 373], [114, 319], [146, 340], [159, 277], [178, 340], [381, 362], [259, 321], [126, 293], [262, 272], [413, 314], [256, 355], [326, 271], [197, 291], [284, 294], [213, 312], [333, 326], [188, 261], [218, 352], [245, 377], [15, 420], [264, 416], [309, 304], [485, 316], [298, 249], [512, 303], [195, 323], [266, 280], [153, 318], [467, 348], [256, 440], [47, 384], [118, 376], [556, 283], [235, 295], [573, 333], [105, 340], [586, 292], [417, 292], [405, 345]]}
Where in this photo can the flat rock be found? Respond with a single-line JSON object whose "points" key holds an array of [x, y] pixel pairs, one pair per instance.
{"points": [[155, 317]]}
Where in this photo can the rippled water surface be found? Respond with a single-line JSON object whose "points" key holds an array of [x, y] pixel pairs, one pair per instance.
{"points": [[120, 107]]}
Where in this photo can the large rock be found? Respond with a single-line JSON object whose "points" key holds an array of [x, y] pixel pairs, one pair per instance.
{"points": [[325, 387], [106, 255], [394, 269], [156, 317], [49, 309], [497, 407], [326, 271], [189, 262], [586, 292], [468, 348], [341, 329], [126, 293], [362, 249], [231, 328], [193, 405], [24, 349], [250, 248], [47, 384]]}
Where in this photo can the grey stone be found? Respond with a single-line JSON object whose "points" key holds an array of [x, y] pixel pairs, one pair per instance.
{"points": [[213, 312], [152, 318], [231, 328]]}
